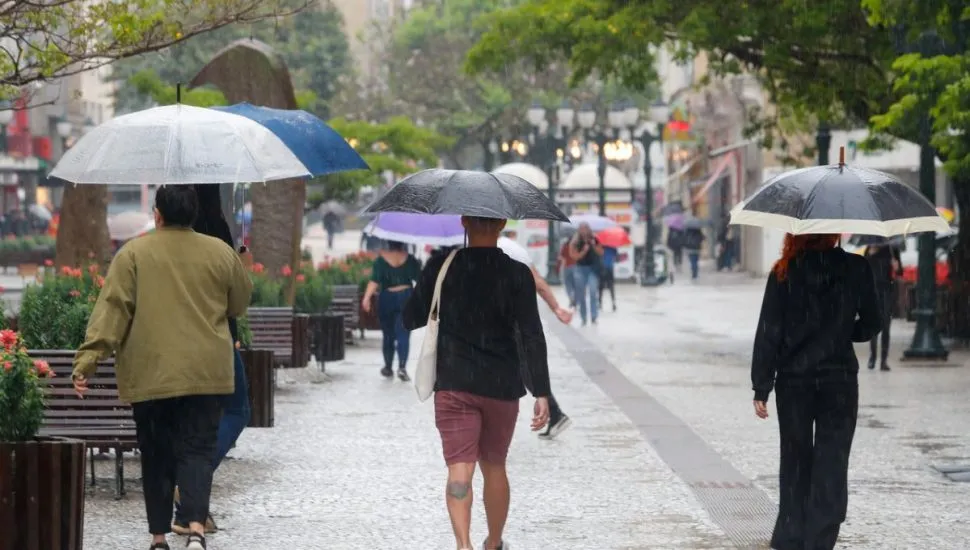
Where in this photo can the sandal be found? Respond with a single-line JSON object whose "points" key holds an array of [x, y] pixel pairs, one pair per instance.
{"points": [[195, 542]]}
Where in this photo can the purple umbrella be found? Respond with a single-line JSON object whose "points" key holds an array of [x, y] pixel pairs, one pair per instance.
{"points": [[439, 230], [674, 221]]}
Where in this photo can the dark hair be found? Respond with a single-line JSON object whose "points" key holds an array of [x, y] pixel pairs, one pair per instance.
{"points": [[211, 220], [396, 246], [177, 204]]}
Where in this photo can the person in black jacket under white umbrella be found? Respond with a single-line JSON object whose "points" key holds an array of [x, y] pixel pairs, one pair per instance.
{"points": [[818, 301]]}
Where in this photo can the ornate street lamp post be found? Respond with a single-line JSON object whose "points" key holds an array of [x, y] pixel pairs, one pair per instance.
{"points": [[823, 141], [587, 121], [926, 342], [658, 114], [548, 150]]}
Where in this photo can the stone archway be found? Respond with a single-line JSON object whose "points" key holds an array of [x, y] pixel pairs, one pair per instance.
{"points": [[250, 70]]}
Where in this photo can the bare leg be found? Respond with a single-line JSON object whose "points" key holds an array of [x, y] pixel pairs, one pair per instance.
{"points": [[458, 496], [496, 501]]}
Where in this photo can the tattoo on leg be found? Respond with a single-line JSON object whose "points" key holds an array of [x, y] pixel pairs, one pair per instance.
{"points": [[458, 489]]}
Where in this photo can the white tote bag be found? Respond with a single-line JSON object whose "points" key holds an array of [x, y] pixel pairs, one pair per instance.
{"points": [[425, 374]]}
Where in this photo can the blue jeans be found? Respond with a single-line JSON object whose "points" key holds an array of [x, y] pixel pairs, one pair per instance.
{"points": [[235, 417], [569, 281], [389, 308], [694, 256], [587, 282]]}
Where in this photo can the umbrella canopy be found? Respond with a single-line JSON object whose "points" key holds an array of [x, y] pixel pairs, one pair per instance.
{"points": [[333, 207], [468, 193], [245, 215], [839, 199], [178, 145], [128, 225], [318, 146], [596, 223], [873, 240], [614, 237], [417, 229], [515, 251]]}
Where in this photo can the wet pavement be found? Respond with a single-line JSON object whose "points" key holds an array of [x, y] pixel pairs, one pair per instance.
{"points": [[354, 461]]}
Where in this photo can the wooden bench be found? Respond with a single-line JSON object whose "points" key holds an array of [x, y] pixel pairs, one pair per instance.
{"points": [[278, 330], [345, 301], [101, 419]]}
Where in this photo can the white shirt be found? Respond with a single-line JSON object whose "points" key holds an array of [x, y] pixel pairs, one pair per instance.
{"points": [[515, 251]]}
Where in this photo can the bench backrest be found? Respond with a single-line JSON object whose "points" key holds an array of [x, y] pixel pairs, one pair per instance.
{"points": [[345, 300], [271, 326]]}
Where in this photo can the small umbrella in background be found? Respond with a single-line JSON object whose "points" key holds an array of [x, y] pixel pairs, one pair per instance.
{"points": [[596, 223], [318, 146], [417, 229], [674, 221], [839, 199], [40, 212], [614, 237], [128, 225], [946, 214], [333, 207], [178, 145], [468, 193]]}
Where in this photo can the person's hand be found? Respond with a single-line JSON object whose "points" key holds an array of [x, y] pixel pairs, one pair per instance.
{"points": [[365, 304], [761, 409], [540, 413], [80, 385], [564, 315], [247, 258]]}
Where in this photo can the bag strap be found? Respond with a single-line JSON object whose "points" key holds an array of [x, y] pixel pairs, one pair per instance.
{"points": [[436, 297]]}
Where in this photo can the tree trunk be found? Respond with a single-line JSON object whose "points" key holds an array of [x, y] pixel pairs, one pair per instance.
{"points": [[275, 231], [82, 235]]}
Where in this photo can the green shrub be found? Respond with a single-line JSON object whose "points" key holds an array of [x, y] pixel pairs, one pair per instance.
{"points": [[54, 313]]}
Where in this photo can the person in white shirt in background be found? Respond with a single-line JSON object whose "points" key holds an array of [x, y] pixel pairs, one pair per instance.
{"points": [[558, 420]]}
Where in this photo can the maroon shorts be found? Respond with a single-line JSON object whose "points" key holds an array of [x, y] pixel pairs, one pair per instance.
{"points": [[474, 428]]}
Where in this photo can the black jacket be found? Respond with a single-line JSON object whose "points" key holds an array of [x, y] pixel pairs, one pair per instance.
{"points": [[810, 320], [488, 308]]}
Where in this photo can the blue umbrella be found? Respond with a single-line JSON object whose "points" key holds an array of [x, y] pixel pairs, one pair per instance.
{"points": [[319, 147]]}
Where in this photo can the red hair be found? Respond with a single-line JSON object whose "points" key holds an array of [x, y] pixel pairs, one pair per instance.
{"points": [[796, 245]]}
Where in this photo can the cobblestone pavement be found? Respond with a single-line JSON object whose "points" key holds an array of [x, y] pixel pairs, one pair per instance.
{"points": [[354, 463], [688, 345]]}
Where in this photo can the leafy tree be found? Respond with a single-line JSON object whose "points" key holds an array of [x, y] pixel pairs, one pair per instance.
{"points": [[420, 62], [45, 40], [818, 58], [312, 43]]}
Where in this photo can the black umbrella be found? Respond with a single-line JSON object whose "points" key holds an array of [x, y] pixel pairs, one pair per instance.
{"points": [[468, 193], [839, 199], [873, 240]]}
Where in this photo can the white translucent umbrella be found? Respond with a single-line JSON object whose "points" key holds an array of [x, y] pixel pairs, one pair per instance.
{"points": [[128, 225], [178, 145]]}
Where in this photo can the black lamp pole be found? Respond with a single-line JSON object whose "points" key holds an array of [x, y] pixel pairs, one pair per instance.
{"points": [[823, 142], [649, 275], [926, 343], [601, 169]]}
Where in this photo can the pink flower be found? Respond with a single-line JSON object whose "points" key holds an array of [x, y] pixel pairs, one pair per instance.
{"points": [[74, 293], [7, 366], [66, 270], [8, 338], [99, 281], [286, 271], [49, 263], [258, 268], [93, 269], [43, 368], [300, 278]]}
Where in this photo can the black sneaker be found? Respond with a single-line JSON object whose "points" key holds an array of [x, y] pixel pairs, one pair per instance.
{"points": [[872, 363], [501, 546], [160, 546], [403, 375], [884, 366], [195, 542], [556, 427], [386, 372]]}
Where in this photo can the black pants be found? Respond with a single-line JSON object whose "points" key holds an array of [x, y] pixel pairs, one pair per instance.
{"points": [[607, 282], [884, 293], [177, 439], [816, 420]]}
